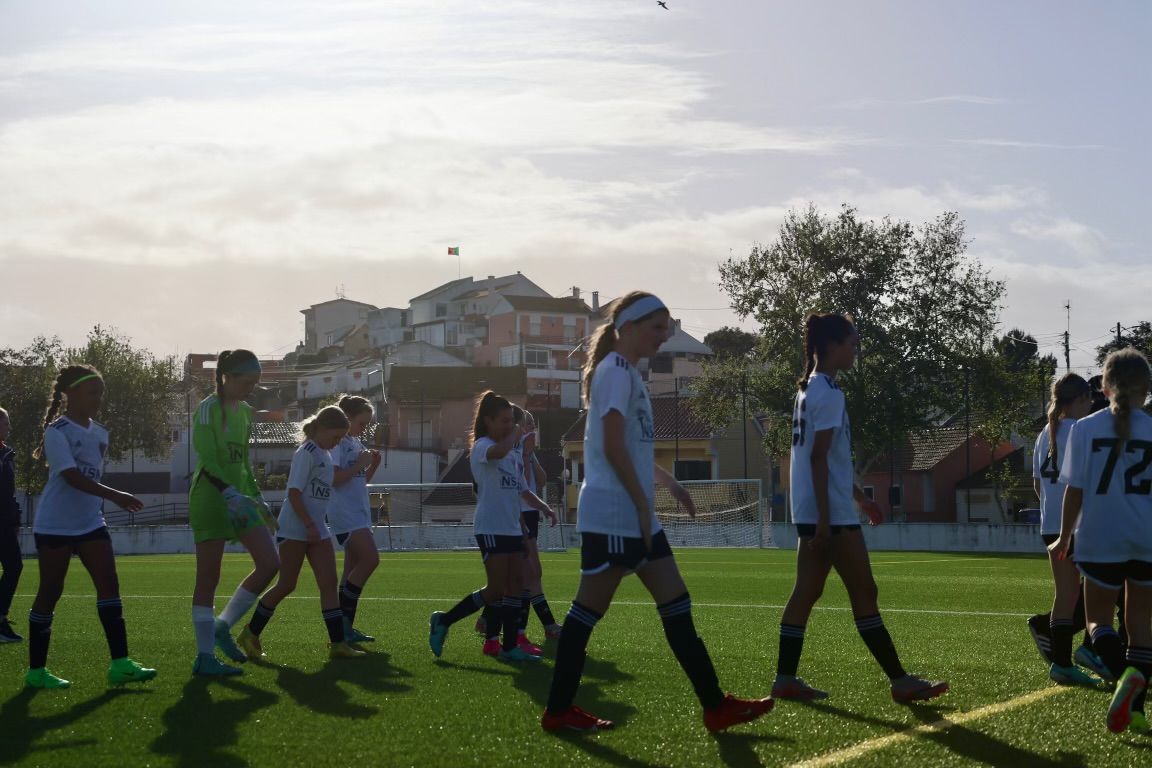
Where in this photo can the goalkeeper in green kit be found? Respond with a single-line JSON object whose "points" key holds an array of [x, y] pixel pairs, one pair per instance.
{"points": [[224, 505]]}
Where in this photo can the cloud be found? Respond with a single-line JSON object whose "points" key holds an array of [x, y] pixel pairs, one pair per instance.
{"points": [[872, 102], [1015, 144], [1080, 238]]}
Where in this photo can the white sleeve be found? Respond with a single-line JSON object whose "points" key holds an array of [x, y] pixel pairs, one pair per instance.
{"points": [[1038, 454], [826, 410], [611, 391], [301, 471], [1074, 468], [57, 451], [480, 449]]}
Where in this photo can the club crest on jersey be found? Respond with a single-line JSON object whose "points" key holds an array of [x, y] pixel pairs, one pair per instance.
{"points": [[235, 452], [647, 431], [320, 489]]}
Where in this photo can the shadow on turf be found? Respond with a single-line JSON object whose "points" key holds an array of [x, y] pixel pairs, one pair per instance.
{"points": [[198, 728], [958, 739], [738, 749], [320, 691], [21, 729]]}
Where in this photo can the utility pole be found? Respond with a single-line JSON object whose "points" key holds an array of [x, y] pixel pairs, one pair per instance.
{"points": [[1067, 330], [1119, 328]]}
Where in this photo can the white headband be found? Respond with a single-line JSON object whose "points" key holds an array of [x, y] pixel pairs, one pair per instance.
{"points": [[638, 309]]}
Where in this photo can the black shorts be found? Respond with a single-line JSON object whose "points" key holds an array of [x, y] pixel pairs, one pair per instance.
{"points": [[1113, 575], [807, 531], [342, 537], [600, 551], [52, 541], [1050, 539], [491, 544], [531, 519]]}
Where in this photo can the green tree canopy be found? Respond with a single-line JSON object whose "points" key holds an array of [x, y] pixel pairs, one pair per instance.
{"points": [[923, 307]]}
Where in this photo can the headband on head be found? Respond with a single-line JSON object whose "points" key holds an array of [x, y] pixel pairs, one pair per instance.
{"points": [[638, 309], [244, 368], [83, 379]]}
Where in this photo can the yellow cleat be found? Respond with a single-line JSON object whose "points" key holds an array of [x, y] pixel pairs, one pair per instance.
{"points": [[345, 651], [250, 643]]}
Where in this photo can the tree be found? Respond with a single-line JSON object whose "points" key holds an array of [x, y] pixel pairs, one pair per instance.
{"points": [[728, 342], [137, 402], [1018, 348], [1139, 336], [921, 305]]}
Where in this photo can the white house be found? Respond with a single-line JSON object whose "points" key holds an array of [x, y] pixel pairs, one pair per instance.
{"points": [[329, 321]]}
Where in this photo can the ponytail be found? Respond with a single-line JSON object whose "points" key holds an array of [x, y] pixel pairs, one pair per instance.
{"points": [[328, 417], [354, 405], [604, 339], [1127, 377], [1065, 390], [819, 332], [487, 406], [65, 380], [229, 362]]}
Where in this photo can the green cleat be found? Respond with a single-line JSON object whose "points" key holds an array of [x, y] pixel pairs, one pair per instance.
{"points": [[43, 679], [125, 670], [226, 644], [437, 633], [353, 635], [1139, 722], [516, 655], [1130, 685], [207, 665]]}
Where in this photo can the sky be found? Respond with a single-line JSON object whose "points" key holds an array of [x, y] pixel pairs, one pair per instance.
{"points": [[196, 173]]}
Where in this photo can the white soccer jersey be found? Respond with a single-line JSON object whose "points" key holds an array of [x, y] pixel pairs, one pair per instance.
{"points": [[348, 509], [311, 474], [1116, 516], [1046, 469], [498, 486], [817, 408], [529, 484], [64, 510], [604, 505]]}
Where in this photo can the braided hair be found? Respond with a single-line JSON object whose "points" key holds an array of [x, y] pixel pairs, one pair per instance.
{"points": [[65, 380]]}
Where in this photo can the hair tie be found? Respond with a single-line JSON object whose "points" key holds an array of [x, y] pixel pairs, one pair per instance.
{"points": [[83, 379]]}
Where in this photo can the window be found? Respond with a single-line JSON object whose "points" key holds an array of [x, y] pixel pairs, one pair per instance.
{"points": [[870, 492], [569, 332], [441, 310], [451, 335], [693, 469], [534, 325], [536, 358], [896, 496]]}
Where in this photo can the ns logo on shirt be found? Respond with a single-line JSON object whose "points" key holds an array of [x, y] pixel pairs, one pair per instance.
{"points": [[509, 482], [647, 431], [235, 453], [90, 472], [320, 489]]}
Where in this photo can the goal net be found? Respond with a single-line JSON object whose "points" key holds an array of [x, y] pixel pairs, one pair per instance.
{"points": [[729, 513], [438, 516]]}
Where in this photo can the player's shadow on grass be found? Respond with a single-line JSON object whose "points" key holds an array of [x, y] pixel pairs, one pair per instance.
{"points": [[320, 691], [199, 728], [738, 749], [20, 729], [980, 747]]}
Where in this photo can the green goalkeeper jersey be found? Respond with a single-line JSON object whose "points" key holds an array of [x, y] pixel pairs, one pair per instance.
{"points": [[222, 445]]}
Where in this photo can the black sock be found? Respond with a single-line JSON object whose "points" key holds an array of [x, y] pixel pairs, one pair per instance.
{"points": [[260, 618], [690, 651], [510, 619], [334, 623], [493, 621], [791, 644], [570, 657], [879, 642], [543, 612], [1121, 628], [1106, 642], [1079, 619], [1062, 632], [1141, 658], [464, 608], [112, 618], [349, 599], [1040, 625], [525, 609], [39, 636]]}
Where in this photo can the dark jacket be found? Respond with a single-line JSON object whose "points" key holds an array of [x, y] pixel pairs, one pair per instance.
{"points": [[10, 513]]}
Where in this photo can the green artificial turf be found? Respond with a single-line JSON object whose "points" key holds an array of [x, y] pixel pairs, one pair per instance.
{"points": [[958, 617]]}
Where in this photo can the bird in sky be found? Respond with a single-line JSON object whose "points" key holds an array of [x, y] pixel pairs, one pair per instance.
{"points": [[662, 4]]}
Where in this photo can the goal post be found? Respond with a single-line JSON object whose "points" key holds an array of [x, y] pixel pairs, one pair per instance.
{"points": [[729, 513]]}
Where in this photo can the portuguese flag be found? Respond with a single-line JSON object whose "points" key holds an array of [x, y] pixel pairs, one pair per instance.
{"points": [[454, 250]]}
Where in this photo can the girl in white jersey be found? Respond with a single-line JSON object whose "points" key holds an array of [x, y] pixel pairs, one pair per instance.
{"points": [[1070, 400], [823, 489], [350, 513], [620, 533], [498, 471], [1107, 467], [303, 534], [69, 521]]}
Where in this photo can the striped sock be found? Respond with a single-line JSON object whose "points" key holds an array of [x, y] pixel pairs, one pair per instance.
{"points": [[1106, 642], [111, 613], [334, 623], [39, 637], [690, 651], [349, 600], [466, 607], [543, 611], [260, 618], [1062, 631], [525, 609], [791, 645], [570, 656], [879, 642]]}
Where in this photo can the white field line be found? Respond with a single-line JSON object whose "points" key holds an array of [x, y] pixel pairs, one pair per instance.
{"points": [[841, 756], [627, 603]]}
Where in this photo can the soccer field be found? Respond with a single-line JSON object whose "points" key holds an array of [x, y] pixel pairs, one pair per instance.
{"points": [[957, 617]]}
